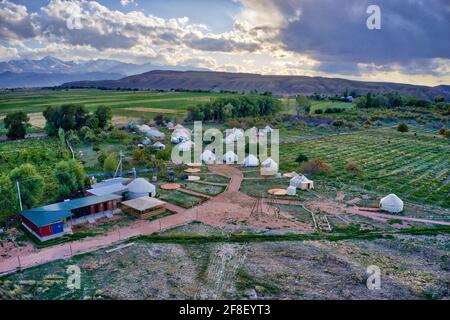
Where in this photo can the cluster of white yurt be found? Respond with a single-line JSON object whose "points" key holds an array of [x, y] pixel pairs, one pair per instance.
{"points": [[140, 187], [392, 203], [269, 167]]}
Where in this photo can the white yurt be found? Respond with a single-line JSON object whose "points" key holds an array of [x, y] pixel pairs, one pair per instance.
{"points": [[158, 145], [230, 157], [302, 183], [234, 136], [392, 203], [139, 188], [186, 146], [251, 161], [208, 157], [267, 129], [155, 133], [269, 167]]}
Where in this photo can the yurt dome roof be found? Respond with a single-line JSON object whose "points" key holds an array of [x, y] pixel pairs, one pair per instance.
{"points": [[141, 185]]}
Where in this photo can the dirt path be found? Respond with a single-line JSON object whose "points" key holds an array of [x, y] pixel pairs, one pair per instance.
{"points": [[68, 250]]}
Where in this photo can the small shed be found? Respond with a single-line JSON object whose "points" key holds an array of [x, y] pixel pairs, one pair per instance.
{"points": [[140, 187], [208, 157], [143, 207], [301, 182], [269, 167], [392, 203]]}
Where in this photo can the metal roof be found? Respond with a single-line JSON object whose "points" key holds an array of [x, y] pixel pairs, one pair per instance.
{"points": [[76, 203], [143, 203], [114, 188], [45, 218]]}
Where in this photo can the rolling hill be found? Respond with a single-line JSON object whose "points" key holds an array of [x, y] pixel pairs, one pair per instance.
{"points": [[278, 85]]}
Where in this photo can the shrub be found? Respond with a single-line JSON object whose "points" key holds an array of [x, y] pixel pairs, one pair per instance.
{"points": [[352, 167], [102, 155], [118, 135], [402, 127], [445, 132], [301, 158], [316, 166]]}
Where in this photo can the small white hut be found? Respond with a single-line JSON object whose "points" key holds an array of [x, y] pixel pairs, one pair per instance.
{"points": [[269, 167], [140, 187], [302, 183], [392, 203]]}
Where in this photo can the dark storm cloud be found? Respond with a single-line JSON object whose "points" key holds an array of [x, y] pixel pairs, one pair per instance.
{"points": [[336, 32]]}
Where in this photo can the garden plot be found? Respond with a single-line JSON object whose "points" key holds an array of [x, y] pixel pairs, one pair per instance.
{"points": [[209, 190], [179, 198], [414, 167]]}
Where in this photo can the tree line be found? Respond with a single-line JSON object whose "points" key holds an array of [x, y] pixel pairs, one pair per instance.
{"points": [[222, 109]]}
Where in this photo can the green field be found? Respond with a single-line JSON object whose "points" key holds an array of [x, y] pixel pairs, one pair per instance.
{"points": [[415, 167], [323, 105], [37, 100]]}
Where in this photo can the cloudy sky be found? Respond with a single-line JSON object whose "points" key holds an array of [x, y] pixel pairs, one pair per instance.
{"points": [[296, 37]]}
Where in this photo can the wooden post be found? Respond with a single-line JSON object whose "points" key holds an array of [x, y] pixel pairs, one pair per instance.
{"points": [[71, 251], [20, 264], [160, 225], [119, 234]]}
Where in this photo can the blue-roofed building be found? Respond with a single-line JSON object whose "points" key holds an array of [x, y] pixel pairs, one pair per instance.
{"points": [[55, 220]]}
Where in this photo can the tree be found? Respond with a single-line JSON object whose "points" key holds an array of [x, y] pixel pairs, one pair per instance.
{"points": [[302, 105], [104, 115], [70, 176], [402, 127], [17, 123], [31, 184], [301, 158], [102, 155], [110, 164], [8, 200], [67, 117]]}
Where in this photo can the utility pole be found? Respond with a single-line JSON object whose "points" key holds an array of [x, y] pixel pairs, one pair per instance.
{"points": [[20, 197]]}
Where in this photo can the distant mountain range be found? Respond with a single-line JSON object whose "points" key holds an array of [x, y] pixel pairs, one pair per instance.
{"points": [[278, 85], [51, 71]]}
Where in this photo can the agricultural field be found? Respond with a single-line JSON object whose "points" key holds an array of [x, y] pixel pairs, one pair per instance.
{"points": [[413, 165], [123, 102]]}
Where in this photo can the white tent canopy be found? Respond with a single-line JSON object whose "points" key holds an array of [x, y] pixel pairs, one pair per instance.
{"points": [[230, 157], [251, 161], [208, 157], [301, 182], [392, 203], [140, 187], [267, 129]]}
